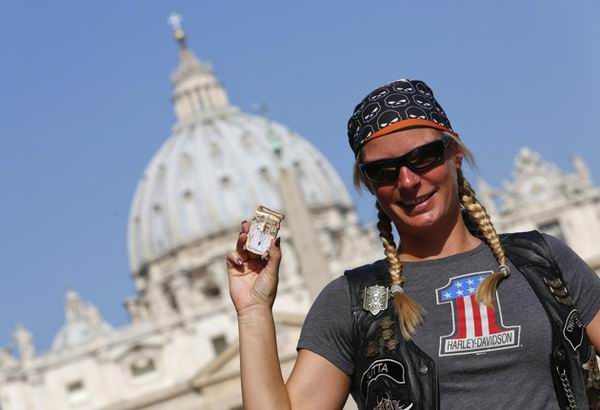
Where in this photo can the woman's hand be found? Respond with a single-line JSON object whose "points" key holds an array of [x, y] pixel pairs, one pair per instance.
{"points": [[252, 281]]}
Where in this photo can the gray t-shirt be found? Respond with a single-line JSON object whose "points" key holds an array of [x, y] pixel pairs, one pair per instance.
{"points": [[484, 358]]}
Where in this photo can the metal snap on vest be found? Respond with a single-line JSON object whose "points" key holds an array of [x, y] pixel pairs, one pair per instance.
{"points": [[424, 369], [562, 356]]}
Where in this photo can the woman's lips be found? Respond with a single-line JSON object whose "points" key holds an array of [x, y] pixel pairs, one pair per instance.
{"points": [[413, 203]]}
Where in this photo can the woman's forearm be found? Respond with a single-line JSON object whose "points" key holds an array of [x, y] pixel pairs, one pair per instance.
{"points": [[263, 387]]}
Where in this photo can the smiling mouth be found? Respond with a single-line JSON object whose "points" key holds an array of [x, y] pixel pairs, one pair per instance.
{"points": [[417, 200]]}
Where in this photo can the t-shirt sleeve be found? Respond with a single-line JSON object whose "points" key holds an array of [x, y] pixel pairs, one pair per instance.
{"points": [[582, 281], [327, 329]]}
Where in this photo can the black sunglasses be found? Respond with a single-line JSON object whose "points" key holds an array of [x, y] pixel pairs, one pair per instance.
{"points": [[419, 160]]}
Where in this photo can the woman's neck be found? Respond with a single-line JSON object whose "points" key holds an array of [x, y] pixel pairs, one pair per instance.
{"points": [[427, 245]]}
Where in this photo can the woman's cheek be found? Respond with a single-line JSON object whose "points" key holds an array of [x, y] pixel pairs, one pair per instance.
{"points": [[385, 196]]}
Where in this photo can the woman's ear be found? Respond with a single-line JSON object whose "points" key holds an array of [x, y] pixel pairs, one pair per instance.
{"points": [[358, 178], [458, 156]]}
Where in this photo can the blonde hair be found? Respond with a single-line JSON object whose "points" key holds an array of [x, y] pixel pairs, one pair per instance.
{"points": [[410, 313], [486, 231]]}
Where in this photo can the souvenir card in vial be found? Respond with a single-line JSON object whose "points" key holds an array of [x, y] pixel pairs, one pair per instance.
{"points": [[264, 227]]}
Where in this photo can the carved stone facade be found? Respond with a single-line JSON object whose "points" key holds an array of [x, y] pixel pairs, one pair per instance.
{"points": [[541, 196]]}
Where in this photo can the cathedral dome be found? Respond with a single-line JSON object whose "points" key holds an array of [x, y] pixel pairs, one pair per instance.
{"points": [[216, 167]]}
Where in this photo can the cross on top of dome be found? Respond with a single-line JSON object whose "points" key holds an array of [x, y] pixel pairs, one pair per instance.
{"points": [[197, 93], [174, 21]]}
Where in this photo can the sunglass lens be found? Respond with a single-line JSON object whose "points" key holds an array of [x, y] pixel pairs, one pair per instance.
{"points": [[382, 174], [426, 156]]}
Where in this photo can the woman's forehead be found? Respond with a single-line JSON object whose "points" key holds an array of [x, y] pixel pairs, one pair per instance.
{"points": [[398, 143]]}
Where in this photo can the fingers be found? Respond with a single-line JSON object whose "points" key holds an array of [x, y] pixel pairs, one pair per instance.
{"points": [[243, 236], [274, 256], [234, 260], [240, 255]]}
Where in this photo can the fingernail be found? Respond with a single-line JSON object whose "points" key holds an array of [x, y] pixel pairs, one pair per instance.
{"points": [[277, 242], [239, 261]]}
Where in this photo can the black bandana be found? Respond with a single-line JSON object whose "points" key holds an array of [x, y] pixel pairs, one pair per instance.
{"points": [[398, 105]]}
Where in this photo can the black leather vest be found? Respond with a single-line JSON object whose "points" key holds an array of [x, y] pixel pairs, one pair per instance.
{"points": [[405, 375]]}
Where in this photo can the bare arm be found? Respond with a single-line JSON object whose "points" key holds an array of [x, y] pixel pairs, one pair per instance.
{"points": [[315, 383], [593, 331], [262, 382]]}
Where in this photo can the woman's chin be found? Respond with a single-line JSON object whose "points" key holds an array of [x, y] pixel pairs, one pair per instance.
{"points": [[425, 220], [432, 221]]}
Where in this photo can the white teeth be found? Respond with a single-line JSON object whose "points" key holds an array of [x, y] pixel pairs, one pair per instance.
{"points": [[418, 200]]}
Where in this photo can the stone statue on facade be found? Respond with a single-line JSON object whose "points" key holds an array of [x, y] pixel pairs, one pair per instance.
{"points": [[24, 341], [582, 170], [7, 360], [94, 318]]}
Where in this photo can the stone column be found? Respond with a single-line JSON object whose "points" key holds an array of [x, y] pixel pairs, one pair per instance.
{"points": [[305, 237], [138, 311], [160, 306], [181, 288]]}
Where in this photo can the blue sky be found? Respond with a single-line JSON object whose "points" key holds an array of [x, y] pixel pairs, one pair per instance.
{"points": [[86, 102]]}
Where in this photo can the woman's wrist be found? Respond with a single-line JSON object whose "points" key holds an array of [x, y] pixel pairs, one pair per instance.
{"points": [[254, 313]]}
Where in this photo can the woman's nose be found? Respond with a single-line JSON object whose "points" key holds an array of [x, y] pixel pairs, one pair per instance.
{"points": [[407, 178]]}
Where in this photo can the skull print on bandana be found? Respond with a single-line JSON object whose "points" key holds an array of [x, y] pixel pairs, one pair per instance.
{"points": [[377, 94], [415, 112], [422, 102], [424, 89], [387, 117], [371, 112], [394, 106], [404, 86], [396, 100]]}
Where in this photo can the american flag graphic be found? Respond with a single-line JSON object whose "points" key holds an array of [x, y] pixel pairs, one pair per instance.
{"points": [[476, 327]]}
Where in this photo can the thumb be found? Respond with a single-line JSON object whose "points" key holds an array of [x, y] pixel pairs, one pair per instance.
{"points": [[274, 256]]}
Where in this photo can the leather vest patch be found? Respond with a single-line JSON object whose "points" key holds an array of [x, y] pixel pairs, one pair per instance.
{"points": [[386, 370], [573, 329], [375, 299]]}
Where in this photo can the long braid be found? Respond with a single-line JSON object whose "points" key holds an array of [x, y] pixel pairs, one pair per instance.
{"points": [[410, 313], [477, 212]]}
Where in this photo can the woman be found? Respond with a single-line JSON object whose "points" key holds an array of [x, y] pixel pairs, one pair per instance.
{"points": [[474, 317]]}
